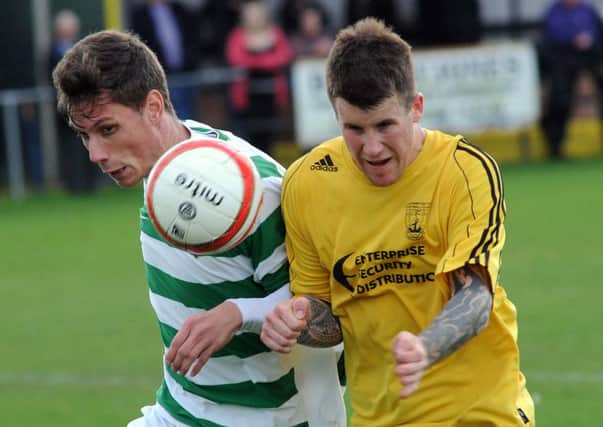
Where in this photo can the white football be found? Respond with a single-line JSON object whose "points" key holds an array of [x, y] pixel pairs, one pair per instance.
{"points": [[204, 196]]}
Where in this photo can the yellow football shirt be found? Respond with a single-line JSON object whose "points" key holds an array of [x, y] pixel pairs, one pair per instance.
{"points": [[380, 256]]}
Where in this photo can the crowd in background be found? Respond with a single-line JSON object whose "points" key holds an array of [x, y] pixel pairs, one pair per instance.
{"points": [[262, 42]]}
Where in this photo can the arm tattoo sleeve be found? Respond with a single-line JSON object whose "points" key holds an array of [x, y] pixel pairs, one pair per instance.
{"points": [[323, 328], [463, 317]]}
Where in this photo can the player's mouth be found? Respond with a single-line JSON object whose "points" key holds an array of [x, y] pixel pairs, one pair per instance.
{"points": [[378, 163], [116, 174]]}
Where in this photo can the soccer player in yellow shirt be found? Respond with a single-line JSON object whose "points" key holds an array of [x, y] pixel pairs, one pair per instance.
{"points": [[394, 236]]}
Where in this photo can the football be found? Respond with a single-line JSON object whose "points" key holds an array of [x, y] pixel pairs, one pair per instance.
{"points": [[204, 196]]}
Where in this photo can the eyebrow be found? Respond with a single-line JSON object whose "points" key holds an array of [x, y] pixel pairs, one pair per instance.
{"points": [[95, 123]]}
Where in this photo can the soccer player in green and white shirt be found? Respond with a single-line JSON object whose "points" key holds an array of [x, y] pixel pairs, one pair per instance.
{"points": [[210, 308]]}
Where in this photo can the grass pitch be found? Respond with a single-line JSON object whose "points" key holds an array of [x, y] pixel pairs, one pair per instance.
{"points": [[81, 345]]}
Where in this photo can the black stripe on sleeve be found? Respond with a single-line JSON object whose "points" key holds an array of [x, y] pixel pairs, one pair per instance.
{"points": [[490, 235]]}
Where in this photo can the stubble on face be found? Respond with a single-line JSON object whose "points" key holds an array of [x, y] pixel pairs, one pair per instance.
{"points": [[382, 140]]}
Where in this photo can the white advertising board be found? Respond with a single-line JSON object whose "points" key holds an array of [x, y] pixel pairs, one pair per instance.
{"points": [[467, 90], [472, 89], [314, 120]]}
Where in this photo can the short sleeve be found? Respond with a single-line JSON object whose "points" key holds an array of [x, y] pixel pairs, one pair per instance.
{"points": [[476, 233], [307, 275]]}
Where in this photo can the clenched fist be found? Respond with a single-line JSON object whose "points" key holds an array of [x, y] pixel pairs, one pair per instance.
{"points": [[411, 360]]}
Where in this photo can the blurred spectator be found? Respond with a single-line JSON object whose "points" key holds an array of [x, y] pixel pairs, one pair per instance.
{"points": [[77, 174], [312, 38], [216, 18], [260, 48], [571, 42], [289, 12], [445, 22], [168, 28]]}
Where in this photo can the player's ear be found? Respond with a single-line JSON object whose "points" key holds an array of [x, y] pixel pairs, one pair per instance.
{"points": [[154, 106], [416, 107]]}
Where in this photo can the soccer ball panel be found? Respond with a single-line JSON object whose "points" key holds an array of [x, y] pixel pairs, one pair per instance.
{"points": [[204, 196]]}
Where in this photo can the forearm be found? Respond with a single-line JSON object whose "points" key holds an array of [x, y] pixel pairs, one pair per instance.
{"points": [[463, 317], [323, 328], [254, 310]]}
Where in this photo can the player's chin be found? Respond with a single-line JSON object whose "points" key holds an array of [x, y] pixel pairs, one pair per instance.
{"points": [[128, 182]]}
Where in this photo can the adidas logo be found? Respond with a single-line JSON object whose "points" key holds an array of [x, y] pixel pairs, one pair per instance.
{"points": [[325, 164]]}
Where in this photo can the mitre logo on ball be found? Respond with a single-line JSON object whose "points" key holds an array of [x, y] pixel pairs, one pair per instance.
{"points": [[204, 196]]}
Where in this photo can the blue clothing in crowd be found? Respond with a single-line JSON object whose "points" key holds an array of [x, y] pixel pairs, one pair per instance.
{"points": [[564, 22]]}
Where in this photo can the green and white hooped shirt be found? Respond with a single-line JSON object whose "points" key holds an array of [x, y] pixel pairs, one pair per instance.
{"points": [[243, 384]]}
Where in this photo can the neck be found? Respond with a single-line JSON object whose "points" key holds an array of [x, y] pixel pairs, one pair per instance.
{"points": [[174, 132]]}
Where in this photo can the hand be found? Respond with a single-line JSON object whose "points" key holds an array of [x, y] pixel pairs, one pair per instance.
{"points": [[411, 360], [284, 324], [202, 335], [583, 41]]}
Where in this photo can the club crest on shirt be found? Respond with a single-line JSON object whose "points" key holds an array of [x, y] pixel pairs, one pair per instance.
{"points": [[415, 219]]}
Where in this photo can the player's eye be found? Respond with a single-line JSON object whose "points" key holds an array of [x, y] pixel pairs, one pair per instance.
{"points": [[356, 129], [384, 125], [108, 129]]}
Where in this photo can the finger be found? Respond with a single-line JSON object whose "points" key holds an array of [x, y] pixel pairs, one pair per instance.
{"points": [[284, 324], [176, 343], [409, 368], [184, 357], [177, 361], [301, 308], [274, 345], [280, 340], [404, 341], [406, 348], [294, 315], [185, 364], [201, 361], [202, 351], [410, 379], [403, 356], [198, 343], [407, 356]]}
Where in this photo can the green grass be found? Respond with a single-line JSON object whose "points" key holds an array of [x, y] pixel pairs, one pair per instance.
{"points": [[81, 346], [551, 270], [80, 343]]}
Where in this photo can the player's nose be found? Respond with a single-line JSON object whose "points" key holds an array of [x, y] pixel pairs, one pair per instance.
{"points": [[97, 153], [372, 144]]}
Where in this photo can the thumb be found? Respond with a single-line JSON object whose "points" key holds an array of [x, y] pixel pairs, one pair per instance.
{"points": [[301, 308], [404, 341]]}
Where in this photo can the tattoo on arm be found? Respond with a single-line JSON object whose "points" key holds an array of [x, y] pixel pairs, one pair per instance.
{"points": [[463, 317], [323, 328]]}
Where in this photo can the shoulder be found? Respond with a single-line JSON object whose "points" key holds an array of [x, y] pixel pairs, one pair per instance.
{"points": [[468, 154], [475, 171], [459, 160], [266, 165], [457, 151], [323, 158], [316, 169]]}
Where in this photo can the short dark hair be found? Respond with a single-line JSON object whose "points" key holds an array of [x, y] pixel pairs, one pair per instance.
{"points": [[109, 63], [368, 63]]}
